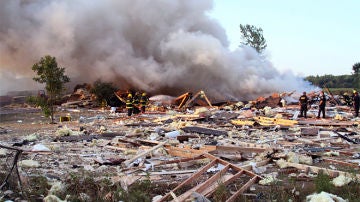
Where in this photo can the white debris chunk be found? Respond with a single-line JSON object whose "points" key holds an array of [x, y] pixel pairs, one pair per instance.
{"points": [[53, 198], [32, 137], [293, 158], [342, 180], [268, 180], [281, 163], [296, 158], [305, 160], [172, 134], [202, 111], [156, 198], [3, 152], [64, 132], [256, 169], [57, 188], [331, 153], [324, 197], [40, 147], [29, 164]]}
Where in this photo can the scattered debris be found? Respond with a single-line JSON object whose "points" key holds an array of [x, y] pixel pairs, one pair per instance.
{"points": [[324, 196], [187, 145]]}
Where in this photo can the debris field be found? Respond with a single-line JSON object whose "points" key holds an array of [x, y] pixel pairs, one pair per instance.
{"points": [[188, 149]]}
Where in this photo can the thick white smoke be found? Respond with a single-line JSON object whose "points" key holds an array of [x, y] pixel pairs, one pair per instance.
{"points": [[159, 46]]}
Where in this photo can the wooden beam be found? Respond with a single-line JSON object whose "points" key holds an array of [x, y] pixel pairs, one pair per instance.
{"points": [[201, 187], [190, 179], [241, 149], [331, 173], [343, 163], [128, 162]]}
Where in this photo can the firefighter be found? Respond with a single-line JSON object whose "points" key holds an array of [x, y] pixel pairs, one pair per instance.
{"points": [[129, 104], [347, 99], [303, 102], [136, 102], [356, 101], [322, 105], [143, 102]]}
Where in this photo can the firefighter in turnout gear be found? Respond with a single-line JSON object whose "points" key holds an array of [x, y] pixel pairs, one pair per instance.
{"points": [[136, 103], [129, 104], [303, 102], [143, 102]]}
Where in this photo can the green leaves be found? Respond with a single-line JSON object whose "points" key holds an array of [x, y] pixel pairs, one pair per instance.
{"points": [[252, 36], [54, 78]]}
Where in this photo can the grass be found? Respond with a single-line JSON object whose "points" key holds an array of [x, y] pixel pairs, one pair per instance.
{"points": [[88, 186], [323, 183]]}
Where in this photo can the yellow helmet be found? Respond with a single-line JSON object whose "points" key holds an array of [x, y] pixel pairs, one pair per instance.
{"points": [[129, 95], [144, 94]]}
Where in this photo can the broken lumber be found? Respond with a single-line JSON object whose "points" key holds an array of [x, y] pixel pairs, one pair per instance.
{"points": [[188, 152], [315, 169], [207, 187], [205, 131], [345, 138], [128, 162], [343, 163]]}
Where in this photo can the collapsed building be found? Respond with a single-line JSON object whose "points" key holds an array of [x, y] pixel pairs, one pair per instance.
{"points": [[190, 148]]}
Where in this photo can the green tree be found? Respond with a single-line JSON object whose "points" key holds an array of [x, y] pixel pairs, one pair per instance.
{"points": [[252, 36], [53, 77], [356, 69], [103, 91]]}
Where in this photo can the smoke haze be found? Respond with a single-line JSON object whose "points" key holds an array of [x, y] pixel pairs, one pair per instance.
{"points": [[160, 46]]}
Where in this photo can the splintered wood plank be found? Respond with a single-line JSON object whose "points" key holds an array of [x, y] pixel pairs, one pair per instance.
{"points": [[190, 179], [187, 152], [310, 131], [241, 149], [226, 180], [343, 163], [128, 162], [201, 187], [205, 131], [331, 173], [209, 185], [234, 167], [181, 160], [211, 188]]}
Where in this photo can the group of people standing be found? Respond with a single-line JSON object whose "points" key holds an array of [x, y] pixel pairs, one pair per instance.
{"points": [[137, 103], [304, 100]]}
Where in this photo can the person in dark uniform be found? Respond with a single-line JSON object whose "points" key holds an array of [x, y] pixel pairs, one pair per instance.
{"points": [[303, 101], [143, 102], [356, 101], [322, 105], [136, 103], [129, 104]]}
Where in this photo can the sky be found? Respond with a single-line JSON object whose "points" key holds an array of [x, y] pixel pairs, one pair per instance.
{"points": [[307, 37]]}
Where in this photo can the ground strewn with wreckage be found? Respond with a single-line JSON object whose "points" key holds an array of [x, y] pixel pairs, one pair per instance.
{"points": [[216, 153]]}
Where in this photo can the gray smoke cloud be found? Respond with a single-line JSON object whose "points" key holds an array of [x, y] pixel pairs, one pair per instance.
{"points": [[159, 46]]}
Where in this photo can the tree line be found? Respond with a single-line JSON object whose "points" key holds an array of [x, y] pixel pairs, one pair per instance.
{"points": [[331, 81]]}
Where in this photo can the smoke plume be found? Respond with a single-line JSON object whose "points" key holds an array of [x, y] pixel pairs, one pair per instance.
{"points": [[159, 46]]}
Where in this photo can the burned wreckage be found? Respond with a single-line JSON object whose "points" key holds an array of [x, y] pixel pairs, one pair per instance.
{"points": [[189, 148]]}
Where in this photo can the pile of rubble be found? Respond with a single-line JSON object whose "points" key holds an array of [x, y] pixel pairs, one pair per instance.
{"points": [[195, 150]]}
